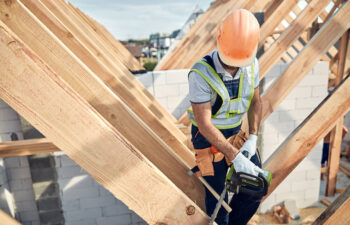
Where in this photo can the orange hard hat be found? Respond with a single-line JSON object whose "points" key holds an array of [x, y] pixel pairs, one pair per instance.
{"points": [[238, 38]]}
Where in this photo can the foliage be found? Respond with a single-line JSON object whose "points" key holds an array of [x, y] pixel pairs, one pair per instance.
{"points": [[149, 66], [139, 42]]}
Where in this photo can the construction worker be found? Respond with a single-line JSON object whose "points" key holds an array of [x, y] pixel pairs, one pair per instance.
{"points": [[223, 86]]}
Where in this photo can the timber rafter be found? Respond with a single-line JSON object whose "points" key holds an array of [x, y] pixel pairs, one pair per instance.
{"points": [[153, 151]]}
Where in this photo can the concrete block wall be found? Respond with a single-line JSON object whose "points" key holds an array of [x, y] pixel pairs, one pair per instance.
{"points": [[303, 183], [85, 202], [19, 186], [170, 88], [6, 199]]}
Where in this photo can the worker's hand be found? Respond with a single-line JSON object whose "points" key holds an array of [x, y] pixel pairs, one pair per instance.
{"points": [[250, 146], [243, 164]]}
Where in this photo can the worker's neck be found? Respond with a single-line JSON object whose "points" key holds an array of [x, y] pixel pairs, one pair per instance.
{"points": [[230, 69]]}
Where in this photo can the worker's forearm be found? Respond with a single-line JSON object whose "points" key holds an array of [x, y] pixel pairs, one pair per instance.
{"points": [[254, 116], [218, 140]]}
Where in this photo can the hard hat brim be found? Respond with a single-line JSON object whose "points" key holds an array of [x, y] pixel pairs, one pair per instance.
{"points": [[230, 61]]}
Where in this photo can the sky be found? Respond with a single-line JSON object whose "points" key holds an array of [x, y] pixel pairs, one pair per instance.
{"points": [[137, 19]]}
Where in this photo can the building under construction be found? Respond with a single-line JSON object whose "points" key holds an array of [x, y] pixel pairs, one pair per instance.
{"points": [[84, 141]]}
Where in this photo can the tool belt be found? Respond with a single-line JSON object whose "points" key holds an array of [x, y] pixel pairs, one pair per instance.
{"points": [[205, 157]]}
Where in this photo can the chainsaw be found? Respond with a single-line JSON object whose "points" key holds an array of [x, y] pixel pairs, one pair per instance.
{"points": [[240, 182]]}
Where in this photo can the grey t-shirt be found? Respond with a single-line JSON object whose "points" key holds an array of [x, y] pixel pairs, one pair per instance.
{"points": [[201, 92]]}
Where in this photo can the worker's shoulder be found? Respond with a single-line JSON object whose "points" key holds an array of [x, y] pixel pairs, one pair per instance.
{"points": [[194, 75]]}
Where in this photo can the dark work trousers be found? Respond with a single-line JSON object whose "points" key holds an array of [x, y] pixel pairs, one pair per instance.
{"points": [[243, 206]]}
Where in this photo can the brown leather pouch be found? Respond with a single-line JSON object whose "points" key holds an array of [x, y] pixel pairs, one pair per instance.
{"points": [[237, 141], [204, 160], [218, 156]]}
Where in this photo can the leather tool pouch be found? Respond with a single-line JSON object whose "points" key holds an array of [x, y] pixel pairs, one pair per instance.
{"points": [[237, 141], [204, 160]]}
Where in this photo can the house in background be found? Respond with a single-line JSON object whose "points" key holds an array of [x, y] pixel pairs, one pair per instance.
{"points": [[135, 49]]}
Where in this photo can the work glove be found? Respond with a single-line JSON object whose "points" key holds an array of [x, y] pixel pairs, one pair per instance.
{"points": [[249, 146], [243, 164]]}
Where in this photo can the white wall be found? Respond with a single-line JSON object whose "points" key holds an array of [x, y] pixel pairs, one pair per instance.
{"points": [[303, 183], [170, 88], [85, 202], [19, 189]]}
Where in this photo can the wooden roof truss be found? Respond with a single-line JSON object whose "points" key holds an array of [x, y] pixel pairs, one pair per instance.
{"points": [[117, 132]]}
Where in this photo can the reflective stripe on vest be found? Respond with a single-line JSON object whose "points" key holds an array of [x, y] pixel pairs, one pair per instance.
{"points": [[231, 111]]}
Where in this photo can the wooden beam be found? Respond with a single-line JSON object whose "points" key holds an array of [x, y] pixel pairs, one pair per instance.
{"points": [[338, 213], [296, 10], [305, 18], [201, 39], [109, 105], [276, 18], [206, 41], [126, 57], [334, 156], [347, 55], [271, 8], [331, 12], [5, 219], [88, 138], [104, 53], [26, 147], [258, 6], [184, 119], [306, 59], [337, 133], [26, 27], [304, 138], [343, 45]]}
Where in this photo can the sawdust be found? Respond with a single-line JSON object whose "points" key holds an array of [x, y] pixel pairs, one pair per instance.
{"points": [[307, 216]]}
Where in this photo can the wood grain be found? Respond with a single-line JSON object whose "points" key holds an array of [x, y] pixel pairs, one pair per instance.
{"points": [[26, 147], [304, 19], [104, 53], [338, 213], [306, 59], [104, 101], [87, 138]]}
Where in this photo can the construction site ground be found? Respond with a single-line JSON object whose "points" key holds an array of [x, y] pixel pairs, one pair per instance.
{"points": [[307, 215]]}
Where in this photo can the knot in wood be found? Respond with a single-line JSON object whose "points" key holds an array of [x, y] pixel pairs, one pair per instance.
{"points": [[160, 224], [8, 2], [190, 210]]}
